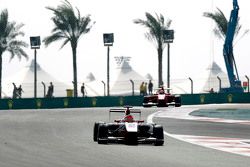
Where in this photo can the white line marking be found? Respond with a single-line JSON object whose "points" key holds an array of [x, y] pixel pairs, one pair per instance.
{"points": [[183, 113], [231, 145]]}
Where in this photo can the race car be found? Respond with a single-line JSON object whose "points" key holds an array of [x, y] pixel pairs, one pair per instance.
{"points": [[128, 132], [161, 99]]}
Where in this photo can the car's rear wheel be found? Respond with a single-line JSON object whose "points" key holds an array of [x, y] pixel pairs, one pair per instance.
{"points": [[102, 136], [145, 102], [146, 105], [159, 135], [177, 101]]}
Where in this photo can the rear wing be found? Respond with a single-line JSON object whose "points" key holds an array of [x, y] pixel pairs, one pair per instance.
{"points": [[122, 110]]}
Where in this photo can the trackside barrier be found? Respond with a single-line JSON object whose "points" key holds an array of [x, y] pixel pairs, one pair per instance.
{"points": [[116, 101]]}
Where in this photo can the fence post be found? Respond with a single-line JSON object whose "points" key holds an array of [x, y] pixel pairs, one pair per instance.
{"points": [[133, 87], [192, 85]]}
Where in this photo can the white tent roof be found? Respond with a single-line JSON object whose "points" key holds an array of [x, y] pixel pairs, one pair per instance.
{"points": [[203, 82], [125, 73], [93, 87], [148, 76], [25, 77], [214, 71], [121, 85]]}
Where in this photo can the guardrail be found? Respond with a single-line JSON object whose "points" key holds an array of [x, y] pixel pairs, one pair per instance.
{"points": [[105, 101]]}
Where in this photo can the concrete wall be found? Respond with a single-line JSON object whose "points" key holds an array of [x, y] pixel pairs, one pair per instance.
{"points": [[115, 101]]}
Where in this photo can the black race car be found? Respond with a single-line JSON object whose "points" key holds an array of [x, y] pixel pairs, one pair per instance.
{"points": [[131, 133]]}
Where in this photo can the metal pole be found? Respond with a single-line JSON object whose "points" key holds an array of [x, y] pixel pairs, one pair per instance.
{"points": [[35, 76], [247, 83], [108, 72], [168, 74], [133, 87], [44, 89], [219, 83], [192, 85], [104, 88]]}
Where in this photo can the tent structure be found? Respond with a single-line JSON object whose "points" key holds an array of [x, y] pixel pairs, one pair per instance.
{"points": [[149, 76], [126, 77], [202, 83], [126, 80], [93, 86], [25, 77], [214, 73]]}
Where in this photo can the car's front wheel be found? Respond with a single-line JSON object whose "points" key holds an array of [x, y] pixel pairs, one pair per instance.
{"points": [[102, 136], [95, 130]]}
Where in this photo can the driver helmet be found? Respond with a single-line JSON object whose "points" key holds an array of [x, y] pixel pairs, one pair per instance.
{"points": [[127, 111]]}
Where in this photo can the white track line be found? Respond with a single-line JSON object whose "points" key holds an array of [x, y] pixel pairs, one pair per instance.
{"points": [[231, 145], [183, 113]]}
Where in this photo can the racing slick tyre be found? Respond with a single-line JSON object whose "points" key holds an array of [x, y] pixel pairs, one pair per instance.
{"points": [[102, 136], [177, 101], [159, 135], [95, 130], [145, 103]]}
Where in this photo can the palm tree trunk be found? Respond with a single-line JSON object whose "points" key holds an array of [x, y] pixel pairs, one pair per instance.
{"points": [[74, 70], [160, 82], [1, 74]]}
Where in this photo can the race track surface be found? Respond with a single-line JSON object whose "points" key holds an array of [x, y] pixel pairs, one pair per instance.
{"points": [[64, 138]]}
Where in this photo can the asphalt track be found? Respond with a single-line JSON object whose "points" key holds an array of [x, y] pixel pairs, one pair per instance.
{"points": [[64, 138]]}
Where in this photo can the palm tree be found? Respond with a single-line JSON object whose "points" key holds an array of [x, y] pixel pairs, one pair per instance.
{"points": [[69, 26], [155, 26], [9, 32], [221, 24]]}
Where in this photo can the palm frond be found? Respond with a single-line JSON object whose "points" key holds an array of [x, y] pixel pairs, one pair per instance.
{"points": [[69, 24], [65, 42], [155, 26], [17, 51], [9, 31], [54, 37], [221, 22]]}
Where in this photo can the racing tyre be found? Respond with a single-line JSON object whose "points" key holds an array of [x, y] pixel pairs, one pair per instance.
{"points": [[95, 130], [102, 137], [177, 101], [145, 103], [159, 135]]}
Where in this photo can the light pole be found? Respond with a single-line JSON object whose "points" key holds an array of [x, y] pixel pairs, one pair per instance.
{"points": [[35, 43], [168, 37], [108, 40]]}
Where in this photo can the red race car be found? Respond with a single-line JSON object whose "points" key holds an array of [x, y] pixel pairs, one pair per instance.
{"points": [[161, 99], [128, 130]]}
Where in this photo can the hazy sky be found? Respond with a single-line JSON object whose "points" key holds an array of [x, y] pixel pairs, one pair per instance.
{"points": [[194, 47]]}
